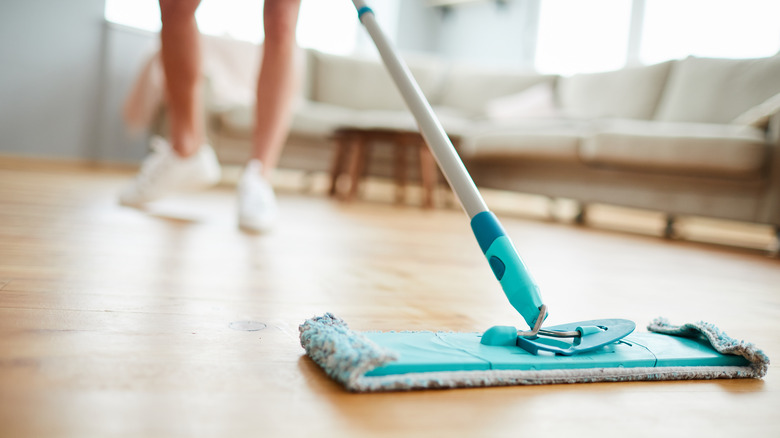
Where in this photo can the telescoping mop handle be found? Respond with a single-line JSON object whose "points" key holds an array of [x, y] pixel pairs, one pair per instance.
{"points": [[509, 269]]}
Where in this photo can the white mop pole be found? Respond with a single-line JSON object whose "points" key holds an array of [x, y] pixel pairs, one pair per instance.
{"points": [[510, 271], [430, 127]]}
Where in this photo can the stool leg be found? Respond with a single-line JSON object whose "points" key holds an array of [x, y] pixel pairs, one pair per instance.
{"points": [[774, 247], [357, 165], [339, 160], [400, 171], [427, 175], [582, 214], [669, 232]]}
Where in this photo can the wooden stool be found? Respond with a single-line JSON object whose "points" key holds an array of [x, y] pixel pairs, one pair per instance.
{"points": [[353, 152]]}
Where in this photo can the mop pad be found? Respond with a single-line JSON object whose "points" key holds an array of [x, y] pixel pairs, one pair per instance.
{"points": [[391, 361]]}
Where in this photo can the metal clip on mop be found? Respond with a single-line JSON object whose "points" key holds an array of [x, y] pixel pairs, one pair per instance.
{"points": [[517, 283]]}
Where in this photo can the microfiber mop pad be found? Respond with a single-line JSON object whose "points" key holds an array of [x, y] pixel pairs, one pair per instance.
{"points": [[389, 361]]}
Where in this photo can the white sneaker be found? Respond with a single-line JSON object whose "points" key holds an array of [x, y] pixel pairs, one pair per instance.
{"points": [[257, 208], [163, 172]]}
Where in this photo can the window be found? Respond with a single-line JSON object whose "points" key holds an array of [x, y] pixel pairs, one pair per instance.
{"points": [[326, 25], [710, 28], [571, 36], [578, 36]]}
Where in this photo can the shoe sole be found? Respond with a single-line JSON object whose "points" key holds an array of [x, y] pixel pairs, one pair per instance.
{"points": [[182, 190]]}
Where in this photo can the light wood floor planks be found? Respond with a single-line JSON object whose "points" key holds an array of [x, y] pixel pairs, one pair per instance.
{"points": [[118, 322]]}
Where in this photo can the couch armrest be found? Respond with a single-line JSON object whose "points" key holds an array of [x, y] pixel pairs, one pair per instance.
{"points": [[773, 129], [771, 211]]}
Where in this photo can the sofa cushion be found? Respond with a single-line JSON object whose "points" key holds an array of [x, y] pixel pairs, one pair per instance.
{"points": [[708, 90], [309, 118], [537, 101], [631, 93], [556, 139], [471, 88], [690, 148], [237, 121], [453, 122], [363, 84], [321, 119]]}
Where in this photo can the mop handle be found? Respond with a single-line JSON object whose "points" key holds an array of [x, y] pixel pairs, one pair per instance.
{"points": [[518, 286], [429, 125]]}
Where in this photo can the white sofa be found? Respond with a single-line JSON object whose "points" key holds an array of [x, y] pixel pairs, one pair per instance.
{"points": [[696, 136]]}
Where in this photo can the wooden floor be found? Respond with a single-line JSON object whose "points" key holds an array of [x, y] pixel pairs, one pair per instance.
{"points": [[118, 322]]}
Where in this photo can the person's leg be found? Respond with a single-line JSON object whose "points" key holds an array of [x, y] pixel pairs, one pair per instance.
{"points": [[180, 53], [185, 162], [276, 87], [277, 81]]}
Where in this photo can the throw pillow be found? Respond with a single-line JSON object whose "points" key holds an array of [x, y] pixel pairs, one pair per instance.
{"points": [[537, 101]]}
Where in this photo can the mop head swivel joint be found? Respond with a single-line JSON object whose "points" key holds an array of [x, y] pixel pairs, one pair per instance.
{"points": [[523, 293], [565, 339]]}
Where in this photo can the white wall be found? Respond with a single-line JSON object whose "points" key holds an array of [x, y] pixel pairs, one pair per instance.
{"points": [[498, 33], [418, 27], [491, 32], [127, 50], [49, 80]]}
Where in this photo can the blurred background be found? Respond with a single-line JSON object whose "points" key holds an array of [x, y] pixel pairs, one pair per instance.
{"points": [[67, 66]]}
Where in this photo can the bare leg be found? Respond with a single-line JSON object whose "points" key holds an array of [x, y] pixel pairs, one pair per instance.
{"points": [[181, 63], [277, 81], [276, 86]]}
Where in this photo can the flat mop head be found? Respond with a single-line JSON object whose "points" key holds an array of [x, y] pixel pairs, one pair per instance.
{"points": [[390, 361]]}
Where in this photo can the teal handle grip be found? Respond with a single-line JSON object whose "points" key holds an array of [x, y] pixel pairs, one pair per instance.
{"points": [[517, 283]]}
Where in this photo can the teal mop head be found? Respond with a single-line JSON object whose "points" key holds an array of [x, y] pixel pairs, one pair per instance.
{"points": [[391, 361]]}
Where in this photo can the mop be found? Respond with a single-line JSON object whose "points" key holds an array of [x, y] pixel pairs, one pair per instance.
{"points": [[603, 350]]}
